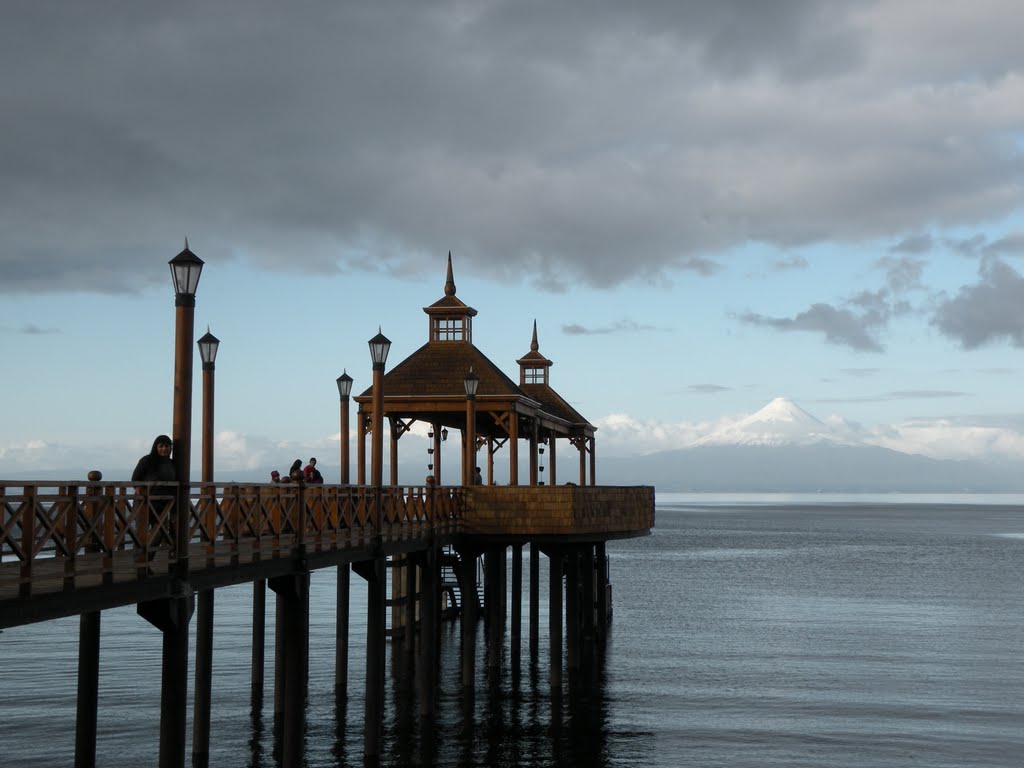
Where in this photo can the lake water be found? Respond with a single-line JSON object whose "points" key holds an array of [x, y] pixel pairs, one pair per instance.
{"points": [[753, 631]]}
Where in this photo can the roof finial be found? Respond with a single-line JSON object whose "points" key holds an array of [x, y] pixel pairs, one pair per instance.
{"points": [[449, 285], [534, 346]]}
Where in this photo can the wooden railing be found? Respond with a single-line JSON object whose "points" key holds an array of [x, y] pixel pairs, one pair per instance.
{"points": [[54, 526]]}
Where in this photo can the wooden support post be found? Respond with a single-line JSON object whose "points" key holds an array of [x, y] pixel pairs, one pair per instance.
{"points": [[171, 616], [375, 573], [534, 599], [203, 680], [88, 689], [468, 619], [259, 632], [603, 590], [492, 560], [430, 606], [503, 588], [280, 617], [293, 606], [517, 602], [572, 608], [341, 637], [410, 605], [555, 616], [587, 597]]}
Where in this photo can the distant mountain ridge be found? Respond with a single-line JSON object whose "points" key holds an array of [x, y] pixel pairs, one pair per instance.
{"points": [[781, 422], [782, 448]]}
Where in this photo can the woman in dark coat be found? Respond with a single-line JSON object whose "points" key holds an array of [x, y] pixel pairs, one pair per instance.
{"points": [[157, 466]]}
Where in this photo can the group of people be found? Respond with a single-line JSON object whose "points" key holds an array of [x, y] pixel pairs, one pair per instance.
{"points": [[158, 466], [299, 474]]}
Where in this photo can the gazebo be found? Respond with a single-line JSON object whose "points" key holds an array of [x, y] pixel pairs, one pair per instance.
{"points": [[449, 385]]}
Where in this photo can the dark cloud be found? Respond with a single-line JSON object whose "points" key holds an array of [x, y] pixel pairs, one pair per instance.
{"points": [[620, 326], [1011, 245], [859, 319], [926, 394], [902, 273], [790, 263], [701, 266], [708, 389], [913, 244], [840, 326], [570, 143], [986, 312], [34, 330]]}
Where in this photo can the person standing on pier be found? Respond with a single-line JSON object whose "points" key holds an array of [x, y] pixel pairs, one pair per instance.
{"points": [[157, 466]]}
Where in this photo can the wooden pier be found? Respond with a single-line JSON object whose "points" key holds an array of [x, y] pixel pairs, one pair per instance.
{"points": [[79, 548]]}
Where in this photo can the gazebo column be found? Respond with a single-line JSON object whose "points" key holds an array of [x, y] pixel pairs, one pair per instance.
{"points": [[593, 461], [581, 446], [513, 447], [533, 454], [361, 447], [436, 428], [393, 455], [551, 459]]}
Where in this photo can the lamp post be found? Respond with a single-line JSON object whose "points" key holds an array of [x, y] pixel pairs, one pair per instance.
{"points": [[186, 268], [344, 390], [342, 588], [208, 346], [377, 577], [380, 345], [472, 384]]}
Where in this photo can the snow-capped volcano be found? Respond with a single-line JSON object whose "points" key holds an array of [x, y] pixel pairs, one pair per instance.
{"points": [[781, 422]]}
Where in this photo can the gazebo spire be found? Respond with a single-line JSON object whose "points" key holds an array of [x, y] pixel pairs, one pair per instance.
{"points": [[534, 346], [449, 283]]}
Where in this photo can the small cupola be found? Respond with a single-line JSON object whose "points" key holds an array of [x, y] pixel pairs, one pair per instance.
{"points": [[533, 366], [450, 319]]}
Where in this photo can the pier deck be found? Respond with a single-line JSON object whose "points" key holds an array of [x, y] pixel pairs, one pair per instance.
{"points": [[67, 548]]}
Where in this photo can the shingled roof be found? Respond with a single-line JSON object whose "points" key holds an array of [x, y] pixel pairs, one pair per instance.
{"points": [[438, 368]]}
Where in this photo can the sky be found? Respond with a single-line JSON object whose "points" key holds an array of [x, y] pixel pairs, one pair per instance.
{"points": [[704, 206]]}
